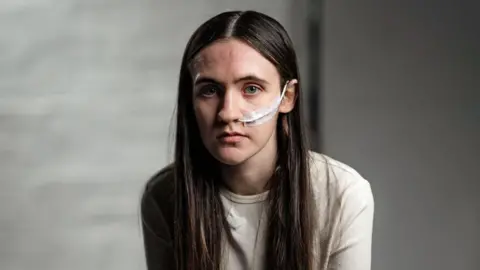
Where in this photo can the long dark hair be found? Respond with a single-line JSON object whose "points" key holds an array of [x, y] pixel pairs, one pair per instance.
{"points": [[199, 214]]}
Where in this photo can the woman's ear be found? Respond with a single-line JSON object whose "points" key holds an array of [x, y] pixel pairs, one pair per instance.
{"points": [[288, 101]]}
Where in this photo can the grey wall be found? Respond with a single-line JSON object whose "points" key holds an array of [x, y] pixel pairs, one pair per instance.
{"points": [[87, 90], [401, 105]]}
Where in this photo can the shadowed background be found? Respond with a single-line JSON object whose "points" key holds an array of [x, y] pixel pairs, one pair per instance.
{"points": [[87, 91]]}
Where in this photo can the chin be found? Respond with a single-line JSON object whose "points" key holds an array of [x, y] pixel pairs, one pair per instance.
{"points": [[230, 155]]}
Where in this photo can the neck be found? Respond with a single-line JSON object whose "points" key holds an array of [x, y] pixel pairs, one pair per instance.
{"points": [[252, 176]]}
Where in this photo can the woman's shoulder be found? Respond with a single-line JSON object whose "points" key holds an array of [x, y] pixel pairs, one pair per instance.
{"points": [[342, 182], [161, 183], [325, 168], [158, 204], [345, 211]]}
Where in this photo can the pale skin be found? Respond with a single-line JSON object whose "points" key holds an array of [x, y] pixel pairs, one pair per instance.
{"points": [[228, 77]]}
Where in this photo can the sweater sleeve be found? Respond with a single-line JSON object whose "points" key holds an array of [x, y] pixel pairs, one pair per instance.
{"points": [[353, 251], [156, 236]]}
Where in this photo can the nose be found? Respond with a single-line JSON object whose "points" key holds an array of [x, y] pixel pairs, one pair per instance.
{"points": [[230, 104]]}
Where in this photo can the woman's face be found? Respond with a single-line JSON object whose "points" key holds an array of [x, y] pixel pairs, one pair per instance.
{"points": [[229, 79]]}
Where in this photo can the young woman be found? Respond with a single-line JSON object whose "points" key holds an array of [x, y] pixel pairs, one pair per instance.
{"points": [[244, 192]]}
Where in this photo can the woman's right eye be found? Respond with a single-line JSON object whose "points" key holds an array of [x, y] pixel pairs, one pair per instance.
{"points": [[208, 91]]}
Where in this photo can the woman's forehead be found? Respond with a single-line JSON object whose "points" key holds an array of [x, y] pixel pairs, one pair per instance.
{"points": [[232, 58]]}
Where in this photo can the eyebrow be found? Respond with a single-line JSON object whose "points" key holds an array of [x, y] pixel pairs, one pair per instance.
{"points": [[202, 80]]}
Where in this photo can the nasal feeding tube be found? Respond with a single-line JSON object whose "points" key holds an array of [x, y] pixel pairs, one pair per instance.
{"points": [[262, 115]]}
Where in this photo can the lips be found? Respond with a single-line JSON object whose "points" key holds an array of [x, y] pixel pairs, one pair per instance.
{"points": [[231, 137]]}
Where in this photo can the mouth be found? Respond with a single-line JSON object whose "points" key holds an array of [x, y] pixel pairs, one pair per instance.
{"points": [[231, 137]]}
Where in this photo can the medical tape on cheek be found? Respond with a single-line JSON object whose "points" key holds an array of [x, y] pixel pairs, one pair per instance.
{"points": [[264, 114]]}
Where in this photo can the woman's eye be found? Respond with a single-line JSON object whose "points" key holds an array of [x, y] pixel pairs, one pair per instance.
{"points": [[208, 91], [251, 90]]}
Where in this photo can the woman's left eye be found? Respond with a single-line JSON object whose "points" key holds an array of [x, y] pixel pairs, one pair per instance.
{"points": [[251, 90]]}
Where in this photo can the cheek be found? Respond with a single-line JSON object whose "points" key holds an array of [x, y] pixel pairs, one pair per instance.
{"points": [[262, 133], [205, 115]]}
